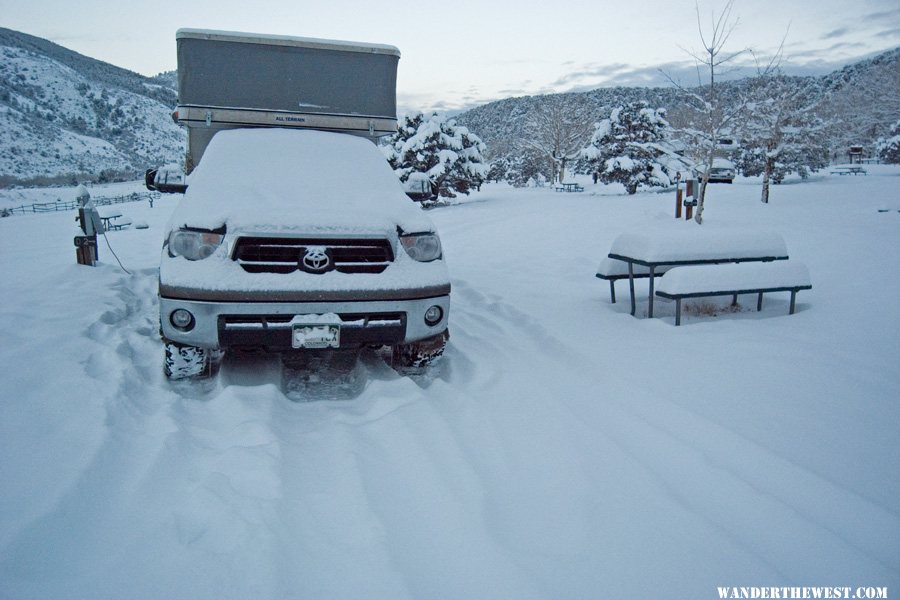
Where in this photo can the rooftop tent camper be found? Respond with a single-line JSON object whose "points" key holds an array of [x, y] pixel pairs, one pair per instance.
{"points": [[228, 80]]}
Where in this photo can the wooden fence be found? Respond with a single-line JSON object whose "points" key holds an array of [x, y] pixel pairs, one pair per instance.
{"points": [[43, 207]]}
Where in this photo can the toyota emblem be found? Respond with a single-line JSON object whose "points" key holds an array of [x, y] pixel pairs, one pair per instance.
{"points": [[316, 259]]}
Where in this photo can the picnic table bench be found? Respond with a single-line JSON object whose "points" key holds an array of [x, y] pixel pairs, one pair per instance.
{"points": [[732, 280], [691, 247], [848, 171], [612, 270], [569, 187]]}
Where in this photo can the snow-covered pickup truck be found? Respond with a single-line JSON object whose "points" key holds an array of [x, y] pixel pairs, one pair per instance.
{"points": [[293, 241]]}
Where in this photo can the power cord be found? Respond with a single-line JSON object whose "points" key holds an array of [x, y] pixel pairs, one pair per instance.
{"points": [[121, 266]]}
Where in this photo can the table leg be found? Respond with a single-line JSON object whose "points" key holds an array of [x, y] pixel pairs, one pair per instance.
{"points": [[631, 286], [652, 277]]}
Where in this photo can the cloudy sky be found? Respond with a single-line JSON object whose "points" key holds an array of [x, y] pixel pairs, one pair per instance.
{"points": [[465, 52]]}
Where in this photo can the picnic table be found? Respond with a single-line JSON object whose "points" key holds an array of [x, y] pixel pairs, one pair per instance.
{"points": [[107, 218], [111, 221], [692, 247], [569, 187], [848, 171]]}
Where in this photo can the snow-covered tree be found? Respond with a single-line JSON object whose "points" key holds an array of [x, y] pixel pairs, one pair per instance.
{"points": [[630, 147], [559, 128], [889, 147], [449, 155], [781, 133]]}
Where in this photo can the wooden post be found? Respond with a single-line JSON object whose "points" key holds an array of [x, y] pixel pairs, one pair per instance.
{"points": [[678, 195]]}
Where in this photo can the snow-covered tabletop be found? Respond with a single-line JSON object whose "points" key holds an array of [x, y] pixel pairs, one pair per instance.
{"points": [[696, 246]]}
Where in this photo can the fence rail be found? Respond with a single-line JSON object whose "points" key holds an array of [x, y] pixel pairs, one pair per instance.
{"points": [[44, 207]]}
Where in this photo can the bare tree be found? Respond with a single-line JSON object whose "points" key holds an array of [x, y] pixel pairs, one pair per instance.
{"points": [[712, 115], [782, 132], [559, 128]]}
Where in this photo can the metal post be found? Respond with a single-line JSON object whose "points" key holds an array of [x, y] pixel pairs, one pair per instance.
{"points": [[650, 314], [612, 291], [793, 298], [759, 302], [677, 311], [689, 191]]}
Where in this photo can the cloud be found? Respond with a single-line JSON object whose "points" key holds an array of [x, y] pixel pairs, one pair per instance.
{"points": [[836, 33], [590, 71], [889, 33], [883, 15]]}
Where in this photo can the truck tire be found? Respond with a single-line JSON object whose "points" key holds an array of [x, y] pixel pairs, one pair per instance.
{"points": [[190, 362], [419, 354]]}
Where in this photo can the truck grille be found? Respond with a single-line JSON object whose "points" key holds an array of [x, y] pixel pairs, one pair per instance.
{"points": [[286, 255]]}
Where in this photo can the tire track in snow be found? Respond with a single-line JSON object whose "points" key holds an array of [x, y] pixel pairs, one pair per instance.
{"points": [[380, 483]]}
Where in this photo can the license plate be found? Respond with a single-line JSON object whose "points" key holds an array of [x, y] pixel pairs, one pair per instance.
{"points": [[316, 336]]}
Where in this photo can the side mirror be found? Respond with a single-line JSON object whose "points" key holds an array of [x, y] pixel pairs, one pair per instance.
{"points": [[167, 180]]}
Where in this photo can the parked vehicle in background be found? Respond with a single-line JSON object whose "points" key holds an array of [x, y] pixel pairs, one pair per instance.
{"points": [[722, 171]]}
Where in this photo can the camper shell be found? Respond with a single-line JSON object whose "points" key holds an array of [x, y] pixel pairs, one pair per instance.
{"points": [[229, 80]]}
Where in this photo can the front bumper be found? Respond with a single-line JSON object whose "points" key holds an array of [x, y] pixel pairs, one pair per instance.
{"points": [[266, 325]]}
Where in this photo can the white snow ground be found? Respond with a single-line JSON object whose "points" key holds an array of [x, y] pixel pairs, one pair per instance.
{"points": [[564, 449]]}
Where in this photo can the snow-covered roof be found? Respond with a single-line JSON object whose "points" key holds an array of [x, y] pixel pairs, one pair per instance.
{"points": [[285, 40]]}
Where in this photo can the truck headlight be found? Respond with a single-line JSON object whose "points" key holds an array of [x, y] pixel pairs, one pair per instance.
{"points": [[423, 247], [194, 245]]}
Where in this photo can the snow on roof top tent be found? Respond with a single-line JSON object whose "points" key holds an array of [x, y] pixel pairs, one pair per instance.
{"points": [[228, 80]]}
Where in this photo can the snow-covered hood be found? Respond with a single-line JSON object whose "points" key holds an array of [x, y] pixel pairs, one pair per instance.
{"points": [[285, 181]]}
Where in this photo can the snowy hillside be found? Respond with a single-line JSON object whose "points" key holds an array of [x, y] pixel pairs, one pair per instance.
{"points": [[563, 449], [66, 114]]}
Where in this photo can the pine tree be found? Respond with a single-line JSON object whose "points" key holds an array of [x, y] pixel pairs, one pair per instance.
{"points": [[630, 147], [449, 155]]}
